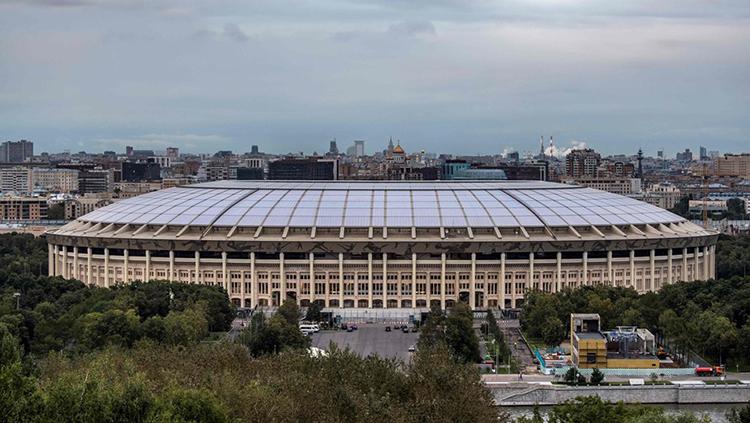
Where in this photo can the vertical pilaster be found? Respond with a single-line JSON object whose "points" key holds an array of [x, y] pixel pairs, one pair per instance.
{"points": [[312, 277], [502, 280], [224, 276], [341, 280], [369, 279], [712, 270], [670, 276], [473, 279], [632, 269], [696, 265], [652, 263], [253, 282], [51, 250], [530, 282], [76, 271], [585, 263], [558, 275], [125, 263], [89, 271], [684, 264], [147, 277], [282, 278], [610, 277], [197, 267], [171, 266], [106, 267], [243, 281], [414, 280], [385, 280], [442, 282], [705, 263], [65, 261]]}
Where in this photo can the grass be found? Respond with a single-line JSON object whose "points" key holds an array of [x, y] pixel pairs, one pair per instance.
{"points": [[722, 382]]}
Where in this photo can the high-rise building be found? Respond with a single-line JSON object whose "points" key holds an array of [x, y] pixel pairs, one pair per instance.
{"points": [[95, 180], [135, 172], [733, 165], [333, 149], [685, 156], [173, 152], [16, 179], [23, 208], [357, 149], [303, 169], [452, 167], [254, 150], [16, 151], [703, 154], [55, 180], [580, 163]]}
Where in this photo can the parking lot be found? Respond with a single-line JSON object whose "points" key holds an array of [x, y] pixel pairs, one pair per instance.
{"points": [[369, 339]]}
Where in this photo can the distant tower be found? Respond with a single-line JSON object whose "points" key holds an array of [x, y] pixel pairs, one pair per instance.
{"points": [[551, 146], [640, 163], [541, 147], [254, 149], [333, 150], [390, 145]]}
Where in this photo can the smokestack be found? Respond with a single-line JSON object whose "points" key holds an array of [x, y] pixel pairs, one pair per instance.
{"points": [[551, 146]]}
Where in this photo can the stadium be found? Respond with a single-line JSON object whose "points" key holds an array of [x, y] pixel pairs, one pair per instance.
{"points": [[383, 245]]}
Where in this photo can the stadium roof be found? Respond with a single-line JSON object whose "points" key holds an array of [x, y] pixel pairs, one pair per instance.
{"points": [[467, 204]]}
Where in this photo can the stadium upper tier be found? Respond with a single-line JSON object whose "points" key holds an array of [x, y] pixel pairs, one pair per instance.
{"points": [[280, 204]]}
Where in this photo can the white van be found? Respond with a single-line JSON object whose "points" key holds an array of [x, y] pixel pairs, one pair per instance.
{"points": [[309, 327]]}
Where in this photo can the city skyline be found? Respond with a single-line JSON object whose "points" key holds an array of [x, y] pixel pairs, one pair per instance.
{"points": [[448, 77]]}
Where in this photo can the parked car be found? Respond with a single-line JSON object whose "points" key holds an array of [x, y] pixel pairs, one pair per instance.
{"points": [[387, 328], [354, 326], [404, 329], [412, 348], [414, 329], [350, 328]]}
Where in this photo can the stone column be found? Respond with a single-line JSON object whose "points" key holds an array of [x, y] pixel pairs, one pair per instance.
{"points": [[225, 278], [684, 264], [712, 269], [530, 283], [670, 276], [197, 267], [385, 280], [312, 277], [610, 277], [147, 277], [171, 265], [705, 263], [632, 269], [414, 280], [369, 279], [472, 279], [558, 275], [585, 261], [51, 259], [341, 280], [502, 281], [106, 267], [76, 271], [253, 282], [89, 271], [125, 265], [65, 261], [282, 278], [442, 283], [696, 266], [652, 263]]}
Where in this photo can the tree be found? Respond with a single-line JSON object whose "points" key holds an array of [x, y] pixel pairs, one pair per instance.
{"points": [[56, 212], [264, 337], [185, 327], [314, 313], [432, 332], [460, 335], [739, 415], [553, 331], [290, 312], [596, 376], [189, 405]]}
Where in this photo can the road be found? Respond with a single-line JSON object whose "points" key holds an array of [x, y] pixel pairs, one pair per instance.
{"points": [[369, 339]]}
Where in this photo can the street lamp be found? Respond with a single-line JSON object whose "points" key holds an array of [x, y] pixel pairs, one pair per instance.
{"points": [[17, 296]]}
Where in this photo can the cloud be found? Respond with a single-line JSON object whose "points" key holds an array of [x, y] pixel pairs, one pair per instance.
{"points": [[554, 150], [230, 31], [412, 28]]}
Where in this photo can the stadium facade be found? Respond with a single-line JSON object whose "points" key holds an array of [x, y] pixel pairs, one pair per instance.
{"points": [[383, 244]]}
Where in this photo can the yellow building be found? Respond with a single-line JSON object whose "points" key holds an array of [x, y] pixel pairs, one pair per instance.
{"points": [[622, 348]]}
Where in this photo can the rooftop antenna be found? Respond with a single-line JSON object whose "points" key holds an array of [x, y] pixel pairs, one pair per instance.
{"points": [[551, 146], [541, 146]]}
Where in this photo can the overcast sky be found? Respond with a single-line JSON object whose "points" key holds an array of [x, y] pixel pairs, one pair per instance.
{"points": [[456, 76]]}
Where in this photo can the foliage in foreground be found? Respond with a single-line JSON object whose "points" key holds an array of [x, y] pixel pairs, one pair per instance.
{"points": [[593, 409], [223, 383], [454, 332]]}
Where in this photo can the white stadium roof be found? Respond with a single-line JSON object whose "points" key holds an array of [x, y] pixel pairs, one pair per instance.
{"points": [[499, 204]]}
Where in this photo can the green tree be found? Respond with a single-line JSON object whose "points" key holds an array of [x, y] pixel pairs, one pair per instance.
{"points": [[460, 335], [553, 331], [314, 313], [271, 336], [290, 312], [596, 376], [189, 405], [432, 332], [739, 415], [185, 327]]}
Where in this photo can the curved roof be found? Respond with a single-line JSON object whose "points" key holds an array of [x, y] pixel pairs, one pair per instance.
{"points": [[477, 204]]}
